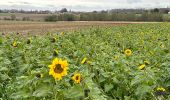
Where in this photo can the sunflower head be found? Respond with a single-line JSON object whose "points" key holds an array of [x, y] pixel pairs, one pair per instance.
{"points": [[128, 52], [14, 44], [58, 68], [160, 89], [84, 60], [142, 67], [76, 78]]}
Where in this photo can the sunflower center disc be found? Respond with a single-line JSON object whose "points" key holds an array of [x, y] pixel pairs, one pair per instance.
{"points": [[58, 69], [77, 77], [128, 52]]}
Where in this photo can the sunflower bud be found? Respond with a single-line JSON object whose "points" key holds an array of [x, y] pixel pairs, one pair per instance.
{"points": [[86, 93], [39, 75], [55, 53], [14, 44], [28, 41], [115, 58], [146, 62], [53, 40]]}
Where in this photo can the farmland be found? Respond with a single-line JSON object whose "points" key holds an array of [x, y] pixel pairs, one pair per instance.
{"points": [[114, 62], [25, 27], [20, 16]]}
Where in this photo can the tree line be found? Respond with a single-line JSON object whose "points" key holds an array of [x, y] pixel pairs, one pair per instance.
{"points": [[105, 15], [113, 15]]}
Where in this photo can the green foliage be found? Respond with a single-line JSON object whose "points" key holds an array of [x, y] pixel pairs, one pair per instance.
{"points": [[13, 17], [51, 18], [61, 17], [152, 17], [27, 18], [106, 16], [108, 74]]}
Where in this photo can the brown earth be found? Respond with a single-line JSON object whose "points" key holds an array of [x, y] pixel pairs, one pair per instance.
{"points": [[43, 27], [25, 27]]}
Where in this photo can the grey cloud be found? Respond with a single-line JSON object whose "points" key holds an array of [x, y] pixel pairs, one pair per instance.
{"points": [[24, 7], [12, 2], [86, 5], [24, 2], [134, 1]]}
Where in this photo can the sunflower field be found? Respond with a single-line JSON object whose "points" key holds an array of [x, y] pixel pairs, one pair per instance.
{"points": [[128, 62]]}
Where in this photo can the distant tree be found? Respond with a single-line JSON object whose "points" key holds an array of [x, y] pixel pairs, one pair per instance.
{"points": [[67, 17], [13, 17], [156, 17], [6, 18], [152, 17], [26, 18], [70, 17], [94, 11], [144, 16], [156, 10], [63, 10], [103, 11], [51, 18]]}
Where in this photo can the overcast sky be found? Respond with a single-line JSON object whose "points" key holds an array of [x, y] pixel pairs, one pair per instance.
{"points": [[81, 5]]}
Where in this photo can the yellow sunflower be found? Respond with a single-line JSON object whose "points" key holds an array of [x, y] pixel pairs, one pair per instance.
{"points": [[77, 78], [62, 33], [128, 52], [115, 57], [84, 60], [141, 67], [14, 44], [160, 89], [58, 68]]}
